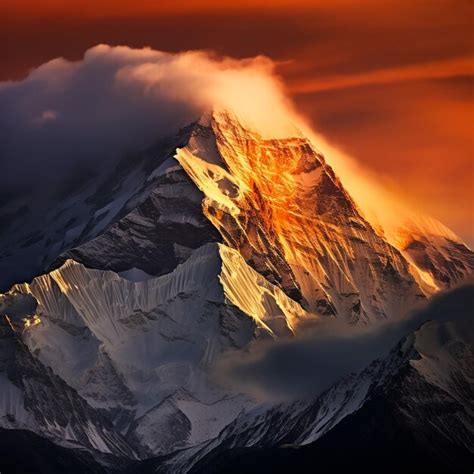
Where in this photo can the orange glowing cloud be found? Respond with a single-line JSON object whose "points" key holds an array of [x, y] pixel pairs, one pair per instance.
{"points": [[433, 70]]}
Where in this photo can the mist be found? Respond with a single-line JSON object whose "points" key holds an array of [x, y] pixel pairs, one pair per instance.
{"points": [[308, 364]]}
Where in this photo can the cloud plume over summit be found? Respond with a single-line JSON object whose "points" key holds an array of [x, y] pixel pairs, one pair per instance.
{"points": [[67, 119]]}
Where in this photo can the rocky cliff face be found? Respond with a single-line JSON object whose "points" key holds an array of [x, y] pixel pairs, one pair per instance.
{"points": [[32, 242], [438, 257], [156, 236], [282, 207]]}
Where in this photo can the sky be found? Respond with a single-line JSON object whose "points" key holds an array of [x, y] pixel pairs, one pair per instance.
{"points": [[390, 83]]}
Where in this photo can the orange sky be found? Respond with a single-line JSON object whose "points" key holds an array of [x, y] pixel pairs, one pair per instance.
{"points": [[390, 84]]}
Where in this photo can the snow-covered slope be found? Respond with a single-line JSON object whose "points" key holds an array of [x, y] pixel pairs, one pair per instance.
{"points": [[133, 348], [427, 376], [32, 397], [438, 257]]}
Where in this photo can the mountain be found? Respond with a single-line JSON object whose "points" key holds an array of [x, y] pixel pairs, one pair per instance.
{"points": [[34, 398], [136, 349], [33, 239], [410, 410], [203, 245], [281, 206], [437, 255]]}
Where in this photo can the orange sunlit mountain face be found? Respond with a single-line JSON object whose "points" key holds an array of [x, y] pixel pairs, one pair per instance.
{"points": [[282, 207], [390, 84]]}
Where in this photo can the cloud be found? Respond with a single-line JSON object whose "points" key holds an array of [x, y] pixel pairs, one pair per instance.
{"points": [[434, 70], [68, 118], [306, 366]]}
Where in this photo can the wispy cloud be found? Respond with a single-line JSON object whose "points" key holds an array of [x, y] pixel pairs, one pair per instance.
{"points": [[306, 366], [463, 66]]}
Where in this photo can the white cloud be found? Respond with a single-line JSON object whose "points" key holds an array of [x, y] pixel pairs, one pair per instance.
{"points": [[67, 115]]}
